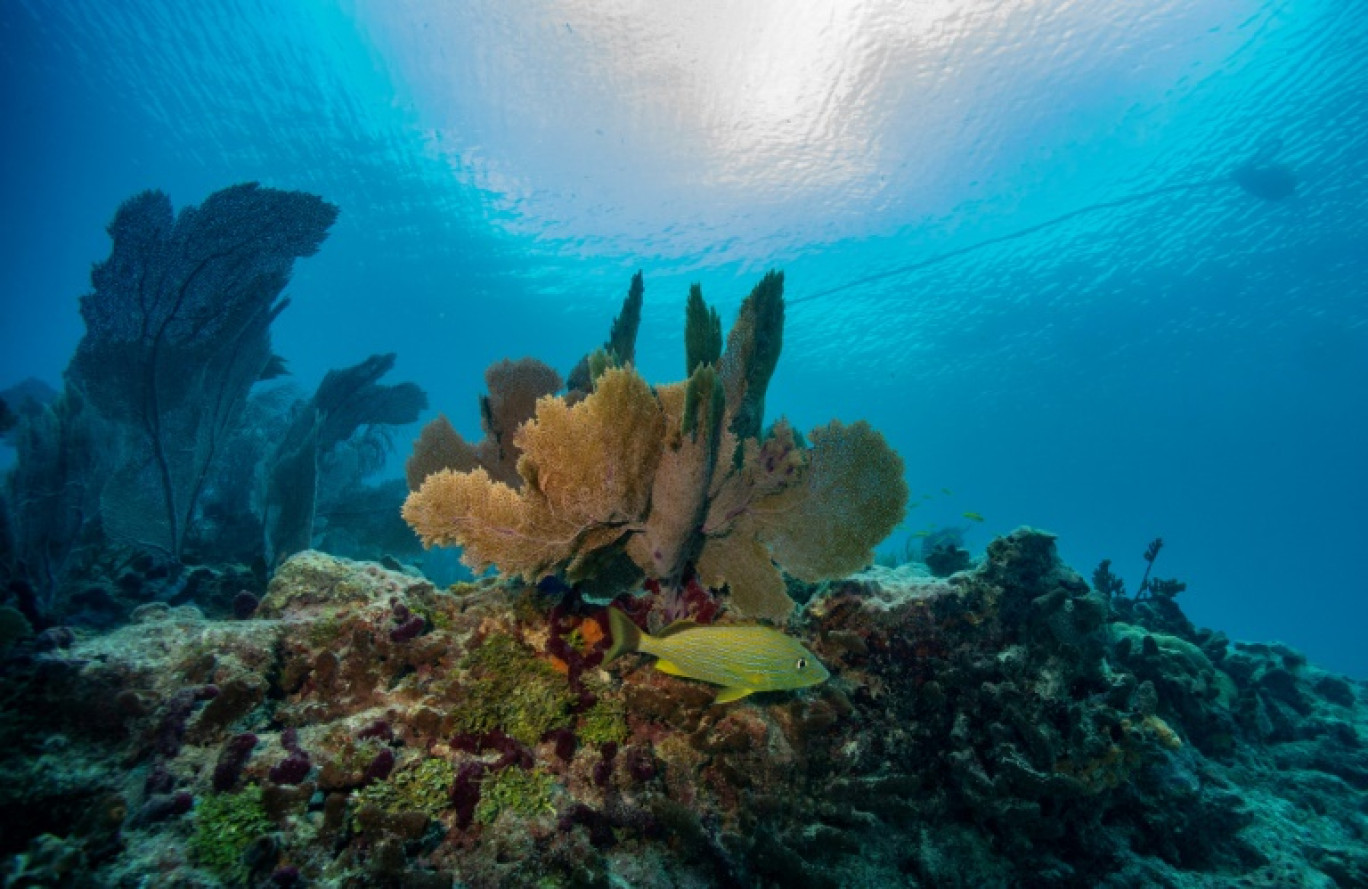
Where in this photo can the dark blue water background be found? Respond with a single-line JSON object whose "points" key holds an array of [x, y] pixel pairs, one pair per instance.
{"points": [[1193, 365]]}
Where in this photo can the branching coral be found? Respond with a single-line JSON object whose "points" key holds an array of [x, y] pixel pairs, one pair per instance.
{"points": [[678, 479]]}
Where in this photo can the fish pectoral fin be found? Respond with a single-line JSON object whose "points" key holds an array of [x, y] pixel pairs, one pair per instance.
{"points": [[669, 667], [727, 695]]}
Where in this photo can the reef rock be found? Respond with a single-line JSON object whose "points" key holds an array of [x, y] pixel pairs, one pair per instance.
{"points": [[995, 728]]}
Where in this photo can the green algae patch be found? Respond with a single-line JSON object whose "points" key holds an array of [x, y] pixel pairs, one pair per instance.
{"points": [[511, 690], [521, 792], [225, 825], [604, 722], [322, 633], [426, 788]]}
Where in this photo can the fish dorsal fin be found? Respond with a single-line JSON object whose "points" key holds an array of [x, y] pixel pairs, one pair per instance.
{"points": [[669, 667], [678, 626], [727, 695]]}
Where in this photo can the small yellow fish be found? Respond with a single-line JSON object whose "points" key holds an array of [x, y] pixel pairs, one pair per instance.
{"points": [[741, 659], [973, 516]]}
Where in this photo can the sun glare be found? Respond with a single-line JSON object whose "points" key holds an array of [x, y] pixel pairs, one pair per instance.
{"points": [[598, 119]]}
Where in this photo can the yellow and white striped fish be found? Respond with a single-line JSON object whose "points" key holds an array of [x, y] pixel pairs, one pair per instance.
{"points": [[741, 659]]}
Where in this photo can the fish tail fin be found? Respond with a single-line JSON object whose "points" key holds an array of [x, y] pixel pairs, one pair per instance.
{"points": [[626, 635]]}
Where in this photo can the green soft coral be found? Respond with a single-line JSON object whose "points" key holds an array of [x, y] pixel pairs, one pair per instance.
{"points": [[702, 332], [753, 348]]}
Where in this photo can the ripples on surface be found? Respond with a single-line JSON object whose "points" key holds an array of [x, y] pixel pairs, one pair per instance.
{"points": [[840, 139]]}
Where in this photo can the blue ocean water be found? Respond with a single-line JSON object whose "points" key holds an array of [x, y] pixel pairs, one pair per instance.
{"points": [[1192, 365]]}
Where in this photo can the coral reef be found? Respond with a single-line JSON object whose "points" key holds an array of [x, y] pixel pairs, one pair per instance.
{"points": [[996, 728], [350, 724], [631, 483], [194, 698]]}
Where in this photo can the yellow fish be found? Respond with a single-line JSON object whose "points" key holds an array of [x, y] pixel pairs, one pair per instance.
{"points": [[741, 659], [973, 516]]}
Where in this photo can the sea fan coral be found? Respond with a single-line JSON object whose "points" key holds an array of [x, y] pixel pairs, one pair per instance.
{"points": [[514, 387], [586, 475], [659, 483], [177, 333]]}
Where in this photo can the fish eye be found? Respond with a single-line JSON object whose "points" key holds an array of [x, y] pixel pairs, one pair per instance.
{"points": [[802, 663]]}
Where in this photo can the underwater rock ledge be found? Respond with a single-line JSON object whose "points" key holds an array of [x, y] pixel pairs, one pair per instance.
{"points": [[996, 728]]}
